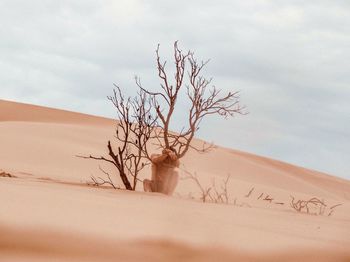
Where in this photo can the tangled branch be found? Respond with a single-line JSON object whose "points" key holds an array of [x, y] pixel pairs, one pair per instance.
{"points": [[313, 206], [203, 99], [135, 128]]}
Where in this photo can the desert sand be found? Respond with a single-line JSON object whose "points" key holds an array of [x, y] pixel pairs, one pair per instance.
{"points": [[50, 212]]}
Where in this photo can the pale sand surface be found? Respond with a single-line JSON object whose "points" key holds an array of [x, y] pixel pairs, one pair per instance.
{"points": [[49, 213]]}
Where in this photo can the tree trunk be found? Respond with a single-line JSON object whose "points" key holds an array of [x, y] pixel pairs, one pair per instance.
{"points": [[125, 181]]}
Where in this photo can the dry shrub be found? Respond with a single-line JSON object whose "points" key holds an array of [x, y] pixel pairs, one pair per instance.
{"points": [[211, 193], [313, 206]]}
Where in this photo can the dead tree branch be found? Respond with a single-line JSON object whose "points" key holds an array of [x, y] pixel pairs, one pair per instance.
{"points": [[136, 126], [99, 181], [203, 100], [332, 208]]}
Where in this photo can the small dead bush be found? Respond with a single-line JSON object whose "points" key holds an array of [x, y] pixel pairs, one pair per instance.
{"points": [[211, 193], [313, 206]]}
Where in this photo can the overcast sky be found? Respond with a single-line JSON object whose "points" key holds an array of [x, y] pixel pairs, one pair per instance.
{"points": [[290, 61]]}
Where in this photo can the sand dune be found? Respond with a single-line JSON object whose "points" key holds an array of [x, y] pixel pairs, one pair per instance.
{"points": [[32, 246], [49, 212], [12, 111]]}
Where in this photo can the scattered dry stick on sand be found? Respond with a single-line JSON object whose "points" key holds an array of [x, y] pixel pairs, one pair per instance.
{"points": [[250, 192], [332, 209], [5, 174], [268, 198], [312, 206]]}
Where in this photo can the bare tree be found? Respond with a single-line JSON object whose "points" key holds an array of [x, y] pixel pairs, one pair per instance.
{"points": [[150, 115], [135, 127], [203, 100]]}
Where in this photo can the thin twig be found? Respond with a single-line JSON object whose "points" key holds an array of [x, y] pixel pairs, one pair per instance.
{"points": [[250, 192]]}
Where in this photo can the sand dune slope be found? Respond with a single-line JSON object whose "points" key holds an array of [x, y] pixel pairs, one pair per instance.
{"points": [[49, 212], [12, 111]]}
